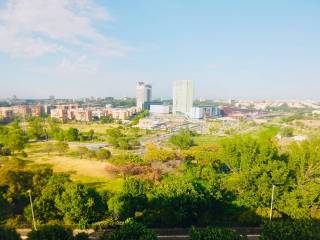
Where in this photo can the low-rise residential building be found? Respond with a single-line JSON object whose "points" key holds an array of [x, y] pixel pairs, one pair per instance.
{"points": [[6, 113], [73, 112], [37, 110], [22, 111], [59, 113]]}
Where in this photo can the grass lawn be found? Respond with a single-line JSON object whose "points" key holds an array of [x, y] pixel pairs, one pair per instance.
{"points": [[86, 127], [91, 172], [113, 184]]}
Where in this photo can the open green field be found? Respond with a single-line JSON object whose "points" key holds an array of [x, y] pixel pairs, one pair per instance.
{"points": [[92, 172], [87, 126]]}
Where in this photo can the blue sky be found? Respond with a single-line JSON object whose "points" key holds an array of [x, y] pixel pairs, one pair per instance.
{"points": [[231, 49]]}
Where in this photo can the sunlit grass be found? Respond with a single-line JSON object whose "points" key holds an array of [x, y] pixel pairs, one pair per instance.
{"points": [[92, 172], [112, 185]]}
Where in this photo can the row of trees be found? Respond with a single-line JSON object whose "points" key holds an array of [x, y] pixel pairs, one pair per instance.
{"points": [[40, 129], [130, 230], [13, 138], [119, 138]]}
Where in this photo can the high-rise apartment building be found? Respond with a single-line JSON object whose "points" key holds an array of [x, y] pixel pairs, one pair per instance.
{"points": [[144, 94], [182, 97]]}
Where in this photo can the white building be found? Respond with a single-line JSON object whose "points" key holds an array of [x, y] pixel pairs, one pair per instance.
{"points": [[197, 113], [182, 97], [144, 94], [159, 109]]}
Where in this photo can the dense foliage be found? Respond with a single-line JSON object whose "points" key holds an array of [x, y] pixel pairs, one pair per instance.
{"points": [[227, 183], [82, 236], [8, 234], [183, 139], [211, 233], [132, 231], [50, 232], [135, 120], [290, 230], [55, 196], [118, 138]]}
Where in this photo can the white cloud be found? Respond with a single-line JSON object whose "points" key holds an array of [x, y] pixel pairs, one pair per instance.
{"points": [[38, 27], [71, 67]]}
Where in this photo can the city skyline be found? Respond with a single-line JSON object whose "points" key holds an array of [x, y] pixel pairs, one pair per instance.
{"points": [[73, 49]]}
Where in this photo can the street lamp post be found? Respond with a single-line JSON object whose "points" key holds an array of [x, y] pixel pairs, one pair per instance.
{"points": [[33, 218], [272, 198]]}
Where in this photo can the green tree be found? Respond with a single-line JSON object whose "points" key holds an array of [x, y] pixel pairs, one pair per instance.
{"points": [[113, 136], [54, 131], [131, 230], [183, 140], [82, 236], [36, 128], [50, 232], [154, 153], [212, 233], [80, 204], [91, 134], [130, 200], [290, 230], [72, 134], [179, 202], [15, 181], [205, 155], [124, 143], [16, 140], [44, 205], [103, 154], [106, 119], [4, 204], [8, 234], [135, 120], [302, 200]]}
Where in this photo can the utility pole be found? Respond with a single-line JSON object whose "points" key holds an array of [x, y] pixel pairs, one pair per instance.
{"points": [[33, 218], [272, 198]]}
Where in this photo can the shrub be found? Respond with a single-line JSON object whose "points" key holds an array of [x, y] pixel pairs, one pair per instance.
{"points": [[103, 154], [155, 153], [81, 236], [290, 230], [126, 159], [287, 132], [131, 231], [14, 221], [212, 233], [49, 232], [183, 140], [8, 234]]}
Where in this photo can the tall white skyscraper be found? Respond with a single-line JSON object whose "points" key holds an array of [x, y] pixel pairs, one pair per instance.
{"points": [[182, 97], [144, 94]]}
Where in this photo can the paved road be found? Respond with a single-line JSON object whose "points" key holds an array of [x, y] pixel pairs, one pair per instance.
{"points": [[166, 234], [178, 237]]}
